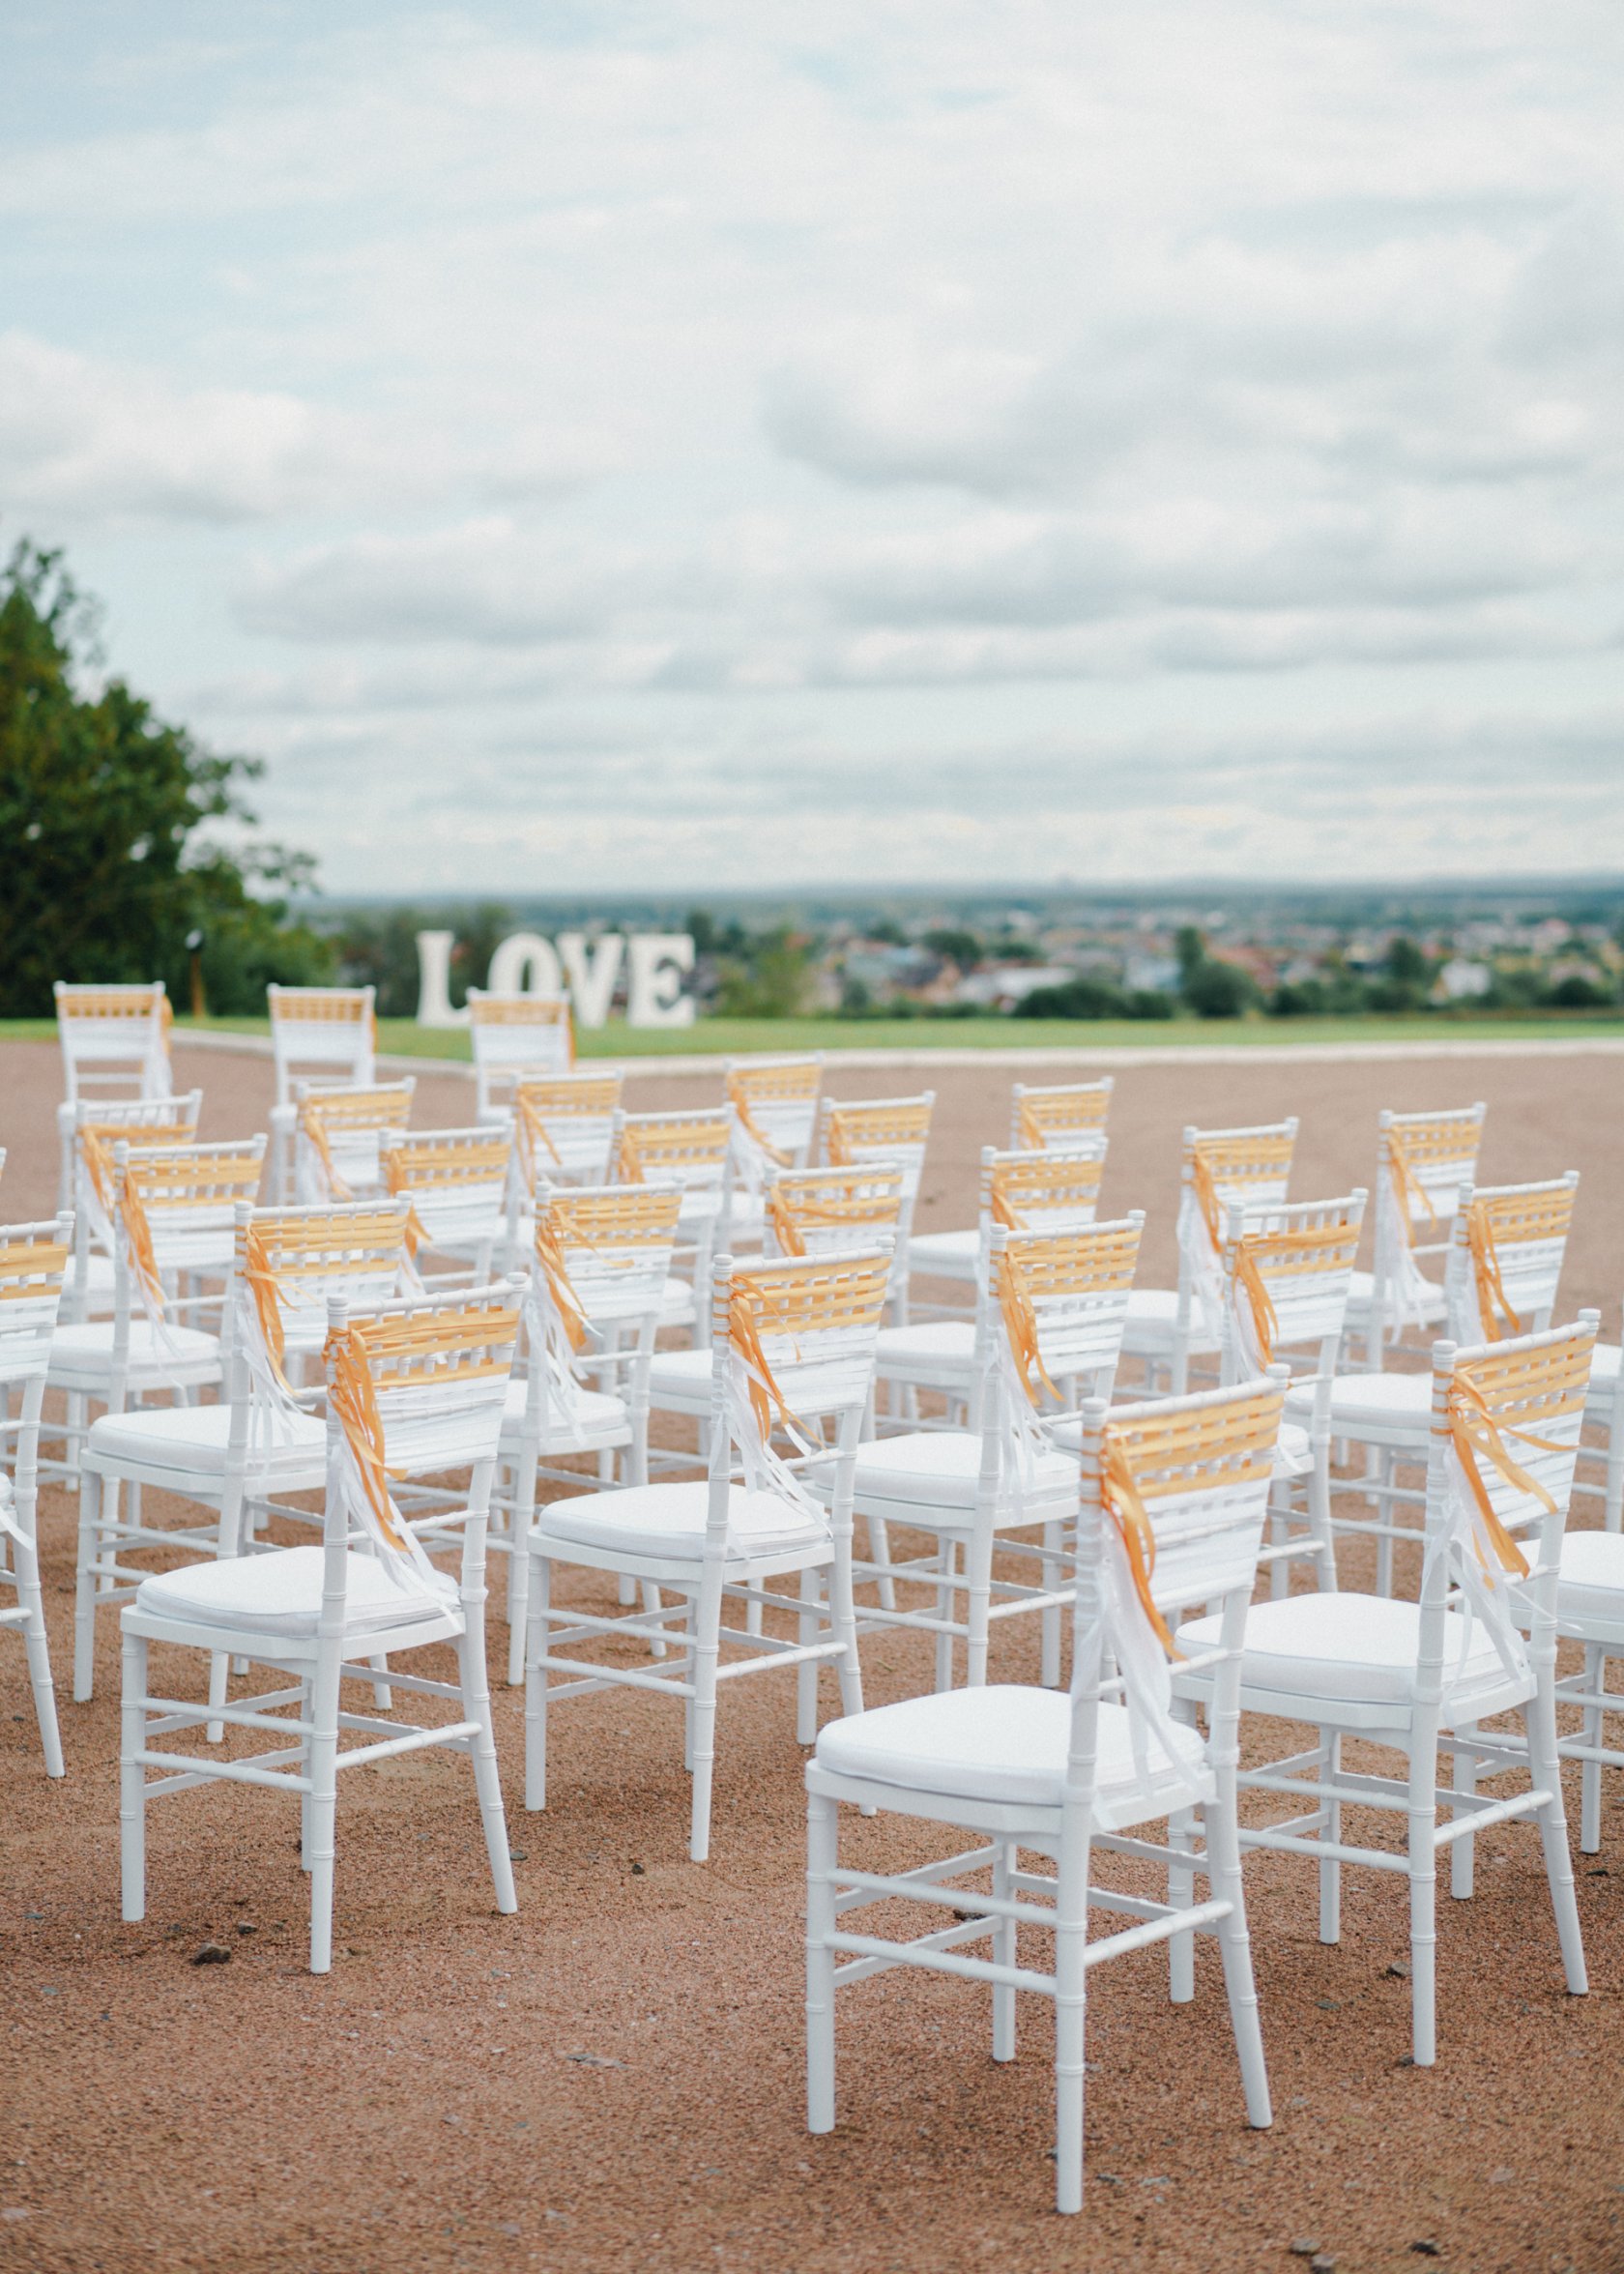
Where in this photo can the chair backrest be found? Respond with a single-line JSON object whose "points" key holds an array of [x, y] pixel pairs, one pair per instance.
{"points": [[114, 1037], [1056, 1304], [691, 1146], [565, 1127], [177, 1211], [776, 1107], [1058, 1113], [1053, 1190], [1287, 1274], [1423, 1161], [1505, 1257], [458, 1180], [337, 1131], [1220, 1168], [323, 1026], [813, 1319], [87, 1131], [413, 1389], [1505, 1427], [33, 1268], [1200, 1466], [516, 1034], [292, 1262], [818, 1211], [612, 1241], [895, 1130]]}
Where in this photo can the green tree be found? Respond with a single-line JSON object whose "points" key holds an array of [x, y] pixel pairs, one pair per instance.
{"points": [[771, 983], [103, 817]]}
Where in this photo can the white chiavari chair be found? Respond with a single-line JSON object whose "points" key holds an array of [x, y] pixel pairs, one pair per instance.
{"points": [[1287, 1275], [794, 1349], [1218, 1168], [774, 1103], [1048, 1330], [1419, 1678], [1171, 1508], [514, 1036], [114, 1037], [33, 1268], [87, 1131], [1069, 1118], [414, 1390], [1604, 1410], [599, 1265], [564, 1124], [324, 1145], [694, 1147], [174, 1215], [332, 1029], [889, 1132], [464, 1191], [1423, 1160], [1506, 1248]]}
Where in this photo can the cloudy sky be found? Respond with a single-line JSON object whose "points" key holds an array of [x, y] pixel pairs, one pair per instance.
{"points": [[656, 444]]}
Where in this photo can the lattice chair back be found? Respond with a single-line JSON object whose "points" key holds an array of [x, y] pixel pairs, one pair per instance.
{"points": [[1222, 1169], [1052, 1191], [775, 1102], [33, 1263], [1059, 1113], [818, 1211], [514, 1036], [894, 1131], [177, 1211], [1505, 1257], [89, 1130], [1056, 1305], [292, 1262], [326, 1027], [565, 1127], [793, 1337], [114, 1037], [1424, 1160], [414, 1388], [337, 1135], [1287, 1274], [459, 1182], [1505, 1428], [609, 1245], [690, 1146]]}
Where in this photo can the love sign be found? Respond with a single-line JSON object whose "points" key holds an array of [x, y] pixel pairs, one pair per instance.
{"points": [[653, 964]]}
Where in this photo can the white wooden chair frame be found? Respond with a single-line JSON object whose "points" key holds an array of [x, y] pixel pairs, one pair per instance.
{"points": [[139, 1120], [348, 1117], [463, 1185], [33, 1268], [1423, 1159], [113, 1036], [515, 1036], [330, 1027]]}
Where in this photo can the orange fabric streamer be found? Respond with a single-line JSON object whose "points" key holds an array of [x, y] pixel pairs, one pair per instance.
{"points": [[267, 1294], [568, 1303], [1266, 1319], [316, 1132], [138, 1232], [754, 1130], [628, 1161], [1020, 1323], [534, 1126], [355, 1401], [1206, 1195], [1493, 1301], [99, 1166], [744, 1335], [1000, 1211], [1408, 1186], [786, 1230], [1120, 1499], [1473, 1430]]}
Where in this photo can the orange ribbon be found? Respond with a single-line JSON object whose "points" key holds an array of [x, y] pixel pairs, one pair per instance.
{"points": [[745, 1336], [316, 1132], [1408, 1185], [1120, 1499], [1031, 1128], [1473, 1430], [532, 1126], [628, 1161], [1493, 1301], [566, 1302], [138, 1232], [355, 1401], [786, 1230], [999, 1210], [1020, 1325], [267, 1294], [1266, 1319], [1206, 1194], [99, 1166], [753, 1128]]}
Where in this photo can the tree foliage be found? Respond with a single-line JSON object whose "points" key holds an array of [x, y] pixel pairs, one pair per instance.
{"points": [[104, 816]]}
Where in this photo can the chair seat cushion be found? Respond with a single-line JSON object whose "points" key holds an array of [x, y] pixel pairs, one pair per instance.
{"points": [[279, 1593], [597, 1413], [676, 1304], [954, 1254], [1153, 1319], [87, 1348], [1378, 1401], [939, 1469], [1433, 1303], [1591, 1588], [945, 1343], [1005, 1743], [196, 1437], [95, 1283], [1360, 1648], [667, 1522], [681, 1373]]}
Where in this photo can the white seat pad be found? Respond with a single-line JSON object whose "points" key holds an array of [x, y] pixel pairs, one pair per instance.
{"points": [[929, 1252], [196, 1437], [667, 1522], [948, 1343], [596, 1410], [1153, 1316], [96, 1281], [1005, 1743], [1361, 1647], [1382, 1401], [1592, 1579], [676, 1304], [684, 1374], [1294, 1453], [940, 1468], [1362, 1293], [87, 1348], [279, 1593]]}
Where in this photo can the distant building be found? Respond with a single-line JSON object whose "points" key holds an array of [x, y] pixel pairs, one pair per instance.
{"points": [[1151, 974], [1458, 982], [1000, 986]]}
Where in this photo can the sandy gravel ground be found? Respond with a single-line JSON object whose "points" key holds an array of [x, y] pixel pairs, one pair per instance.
{"points": [[613, 2078]]}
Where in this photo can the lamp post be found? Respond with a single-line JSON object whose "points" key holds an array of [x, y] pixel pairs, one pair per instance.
{"points": [[199, 1002]]}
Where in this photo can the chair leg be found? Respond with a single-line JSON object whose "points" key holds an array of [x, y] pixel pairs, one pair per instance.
{"points": [[1463, 1860], [1234, 1947], [1048, 1651], [86, 1585], [1004, 1954], [653, 1604], [843, 1618], [1071, 1928], [324, 1809], [1590, 1771], [1539, 1721], [37, 1645], [806, 1673], [823, 1838], [1385, 1508], [474, 1680], [948, 1561], [1422, 1821], [1181, 1894], [305, 1712], [537, 1634], [1277, 1529], [707, 1650], [879, 1550], [1613, 1505], [978, 1599], [1330, 1867], [132, 1780], [520, 1518]]}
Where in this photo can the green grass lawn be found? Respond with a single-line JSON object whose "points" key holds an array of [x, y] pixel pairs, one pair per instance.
{"points": [[403, 1036]]}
